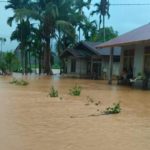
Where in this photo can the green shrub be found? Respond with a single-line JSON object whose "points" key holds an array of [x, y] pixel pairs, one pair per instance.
{"points": [[19, 82], [53, 92], [56, 66], [115, 109], [75, 91]]}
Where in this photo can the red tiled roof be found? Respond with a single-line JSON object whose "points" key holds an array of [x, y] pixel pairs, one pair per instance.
{"points": [[141, 34]]}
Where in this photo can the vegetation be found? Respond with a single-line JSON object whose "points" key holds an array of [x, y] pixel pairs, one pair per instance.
{"points": [[19, 82], [110, 33], [115, 109], [103, 11], [8, 62], [53, 92], [40, 22], [75, 91]]}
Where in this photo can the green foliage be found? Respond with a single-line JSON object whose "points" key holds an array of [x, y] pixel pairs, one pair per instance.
{"points": [[115, 109], [53, 92], [97, 35], [19, 82], [8, 62], [56, 66], [75, 91]]}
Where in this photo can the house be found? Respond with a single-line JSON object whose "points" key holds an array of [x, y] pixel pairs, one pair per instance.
{"points": [[135, 51], [84, 60]]}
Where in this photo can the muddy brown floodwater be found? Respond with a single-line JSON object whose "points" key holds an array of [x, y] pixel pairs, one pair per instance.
{"points": [[31, 120]]}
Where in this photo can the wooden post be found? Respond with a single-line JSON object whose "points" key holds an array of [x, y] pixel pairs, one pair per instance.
{"points": [[91, 66], [110, 66], [121, 61]]}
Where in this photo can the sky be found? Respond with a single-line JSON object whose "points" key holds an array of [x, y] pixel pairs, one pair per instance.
{"points": [[123, 18]]}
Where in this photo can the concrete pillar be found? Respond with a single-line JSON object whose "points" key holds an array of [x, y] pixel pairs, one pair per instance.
{"points": [[110, 66]]}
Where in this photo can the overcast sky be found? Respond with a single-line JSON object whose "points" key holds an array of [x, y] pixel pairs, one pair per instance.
{"points": [[123, 18]]}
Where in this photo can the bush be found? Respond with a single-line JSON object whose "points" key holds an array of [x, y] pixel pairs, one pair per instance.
{"points": [[53, 92], [19, 82], [75, 91], [115, 109], [56, 66]]}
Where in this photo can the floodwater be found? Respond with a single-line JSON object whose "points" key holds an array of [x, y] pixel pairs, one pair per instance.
{"points": [[31, 120]]}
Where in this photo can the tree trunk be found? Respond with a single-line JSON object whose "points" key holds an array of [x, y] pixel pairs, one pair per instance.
{"points": [[35, 63], [30, 61], [99, 26], [104, 34], [22, 61], [26, 62], [47, 57], [40, 65]]}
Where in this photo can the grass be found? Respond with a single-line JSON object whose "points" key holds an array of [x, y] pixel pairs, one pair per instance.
{"points": [[19, 82], [53, 92], [75, 91], [114, 109]]}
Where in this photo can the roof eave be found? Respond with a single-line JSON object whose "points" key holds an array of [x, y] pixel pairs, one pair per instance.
{"points": [[122, 44]]}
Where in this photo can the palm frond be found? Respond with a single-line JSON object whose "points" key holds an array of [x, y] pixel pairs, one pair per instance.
{"points": [[66, 27]]}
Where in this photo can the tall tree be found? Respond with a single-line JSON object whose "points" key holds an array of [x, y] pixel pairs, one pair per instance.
{"points": [[103, 11], [2, 40], [22, 35], [47, 13]]}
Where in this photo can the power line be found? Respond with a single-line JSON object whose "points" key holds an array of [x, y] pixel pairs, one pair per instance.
{"points": [[136, 4], [113, 4]]}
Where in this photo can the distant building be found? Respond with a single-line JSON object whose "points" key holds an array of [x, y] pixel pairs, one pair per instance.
{"points": [[84, 60]]}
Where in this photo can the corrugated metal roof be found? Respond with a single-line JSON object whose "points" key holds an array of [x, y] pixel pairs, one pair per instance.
{"points": [[88, 49], [103, 51], [141, 34]]}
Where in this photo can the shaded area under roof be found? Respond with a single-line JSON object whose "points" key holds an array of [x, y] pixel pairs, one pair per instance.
{"points": [[141, 34]]}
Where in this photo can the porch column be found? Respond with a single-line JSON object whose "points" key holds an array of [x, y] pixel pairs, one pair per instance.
{"points": [[110, 66], [91, 66]]}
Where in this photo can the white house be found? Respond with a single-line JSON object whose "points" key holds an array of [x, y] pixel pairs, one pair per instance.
{"points": [[84, 60]]}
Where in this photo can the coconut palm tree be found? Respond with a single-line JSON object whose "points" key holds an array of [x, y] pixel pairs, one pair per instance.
{"points": [[47, 13], [103, 11], [2, 40], [22, 34]]}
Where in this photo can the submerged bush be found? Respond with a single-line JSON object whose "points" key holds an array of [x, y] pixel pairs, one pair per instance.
{"points": [[75, 91], [53, 92], [115, 109], [19, 82]]}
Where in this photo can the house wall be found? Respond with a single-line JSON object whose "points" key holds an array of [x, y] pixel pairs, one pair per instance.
{"points": [[105, 68], [81, 67], [138, 62], [138, 59]]}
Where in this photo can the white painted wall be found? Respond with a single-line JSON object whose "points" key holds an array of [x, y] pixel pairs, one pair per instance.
{"points": [[116, 68], [138, 60], [81, 67], [69, 66]]}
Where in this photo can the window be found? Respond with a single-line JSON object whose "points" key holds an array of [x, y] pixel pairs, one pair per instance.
{"points": [[73, 65]]}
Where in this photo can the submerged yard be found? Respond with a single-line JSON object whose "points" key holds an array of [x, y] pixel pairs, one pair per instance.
{"points": [[31, 120]]}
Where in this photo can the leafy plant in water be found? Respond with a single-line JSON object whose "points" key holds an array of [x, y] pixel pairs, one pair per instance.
{"points": [[53, 92], [19, 82], [115, 109], [75, 91]]}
